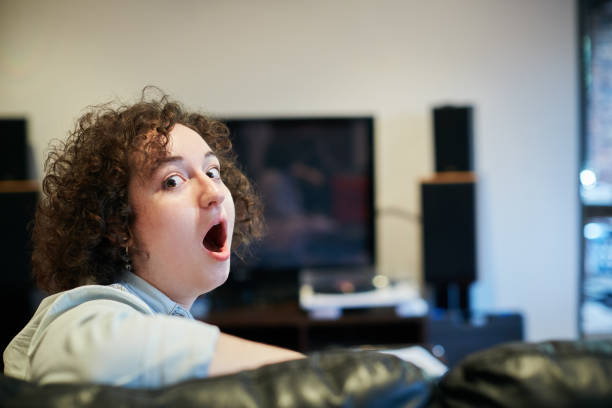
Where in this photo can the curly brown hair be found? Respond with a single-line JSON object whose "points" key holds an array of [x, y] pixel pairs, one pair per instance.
{"points": [[82, 222]]}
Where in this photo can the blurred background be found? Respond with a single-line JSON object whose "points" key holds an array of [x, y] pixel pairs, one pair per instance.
{"points": [[516, 62]]}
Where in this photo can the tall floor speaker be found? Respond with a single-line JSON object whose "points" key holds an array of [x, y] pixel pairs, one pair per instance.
{"points": [[449, 237], [13, 155], [17, 289]]}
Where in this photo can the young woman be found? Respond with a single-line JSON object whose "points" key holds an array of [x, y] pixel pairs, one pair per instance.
{"points": [[141, 208]]}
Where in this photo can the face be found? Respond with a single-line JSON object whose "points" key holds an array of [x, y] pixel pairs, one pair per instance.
{"points": [[184, 220]]}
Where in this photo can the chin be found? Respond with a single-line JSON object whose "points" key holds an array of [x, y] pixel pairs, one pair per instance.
{"points": [[217, 278]]}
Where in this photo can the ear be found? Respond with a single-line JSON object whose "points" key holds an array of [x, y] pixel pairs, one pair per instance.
{"points": [[120, 239], [129, 239]]}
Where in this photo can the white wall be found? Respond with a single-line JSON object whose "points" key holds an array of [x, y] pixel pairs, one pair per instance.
{"points": [[514, 60]]}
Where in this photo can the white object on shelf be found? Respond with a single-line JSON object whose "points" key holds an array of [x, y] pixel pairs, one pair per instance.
{"points": [[403, 296]]}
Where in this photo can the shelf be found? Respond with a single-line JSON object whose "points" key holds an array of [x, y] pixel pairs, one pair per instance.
{"points": [[451, 177], [19, 186], [286, 325]]}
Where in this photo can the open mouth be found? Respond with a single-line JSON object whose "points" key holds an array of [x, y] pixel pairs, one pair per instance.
{"points": [[214, 240]]}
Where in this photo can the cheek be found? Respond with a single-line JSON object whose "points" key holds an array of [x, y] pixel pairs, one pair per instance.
{"points": [[144, 229], [228, 203], [230, 211], [153, 227]]}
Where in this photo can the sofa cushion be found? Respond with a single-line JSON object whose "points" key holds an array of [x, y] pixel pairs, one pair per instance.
{"points": [[549, 374], [330, 379]]}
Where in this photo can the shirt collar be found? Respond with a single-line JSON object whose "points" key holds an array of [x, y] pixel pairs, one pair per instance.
{"points": [[153, 297]]}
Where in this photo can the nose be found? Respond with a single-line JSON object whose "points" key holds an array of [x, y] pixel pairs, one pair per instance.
{"points": [[211, 192]]}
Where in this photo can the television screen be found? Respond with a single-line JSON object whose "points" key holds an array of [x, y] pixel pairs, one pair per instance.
{"points": [[315, 177]]}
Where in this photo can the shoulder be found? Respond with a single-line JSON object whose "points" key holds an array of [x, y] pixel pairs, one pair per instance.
{"points": [[91, 294], [97, 334], [108, 335], [82, 300], [78, 303]]}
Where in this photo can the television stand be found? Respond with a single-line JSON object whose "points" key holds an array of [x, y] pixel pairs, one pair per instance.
{"points": [[287, 325]]}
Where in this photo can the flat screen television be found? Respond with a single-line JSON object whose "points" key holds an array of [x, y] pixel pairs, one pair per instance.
{"points": [[316, 180]]}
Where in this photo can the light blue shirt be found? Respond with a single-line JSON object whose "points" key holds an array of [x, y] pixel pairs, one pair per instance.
{"points": [[128, 333]]}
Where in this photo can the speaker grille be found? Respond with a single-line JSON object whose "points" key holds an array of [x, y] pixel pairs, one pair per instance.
{"points": [[449, 233]]}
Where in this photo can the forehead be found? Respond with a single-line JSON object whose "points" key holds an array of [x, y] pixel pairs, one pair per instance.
{"points": [[185, 141]]}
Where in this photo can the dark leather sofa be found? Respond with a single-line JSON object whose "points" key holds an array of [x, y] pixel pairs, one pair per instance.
{"points": [[548, 374]]}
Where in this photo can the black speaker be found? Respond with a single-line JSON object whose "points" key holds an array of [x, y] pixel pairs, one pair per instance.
{"points": [[16, 282], [13, 159], [449, 238], [453, 138]]}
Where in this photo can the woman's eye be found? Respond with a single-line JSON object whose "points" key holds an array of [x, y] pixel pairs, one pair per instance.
{"points": [[214, 173], [172, 182]]}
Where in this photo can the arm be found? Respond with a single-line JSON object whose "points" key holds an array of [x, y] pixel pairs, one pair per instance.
{"points": [[234, 354]]}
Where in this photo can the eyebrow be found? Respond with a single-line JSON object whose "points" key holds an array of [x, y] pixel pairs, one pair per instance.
{"points": [[171, 159]]}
